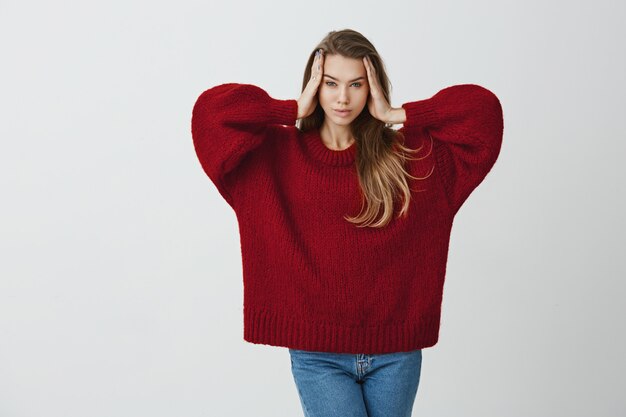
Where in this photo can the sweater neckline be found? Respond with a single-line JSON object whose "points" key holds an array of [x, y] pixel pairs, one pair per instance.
{"points": [[321, 152]]}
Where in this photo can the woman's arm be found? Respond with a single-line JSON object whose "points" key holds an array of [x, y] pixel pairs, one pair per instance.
{"points": [[230, 120], [466, 124]]}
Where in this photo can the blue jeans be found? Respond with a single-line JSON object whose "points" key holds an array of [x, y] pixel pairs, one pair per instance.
{"points": [[356, 385]]}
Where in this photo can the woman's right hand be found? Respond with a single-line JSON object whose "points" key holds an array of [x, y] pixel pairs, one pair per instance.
{"points": [[308, 100]]}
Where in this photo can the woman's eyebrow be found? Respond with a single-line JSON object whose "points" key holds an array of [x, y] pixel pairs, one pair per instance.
{"points": [[356, 79]]}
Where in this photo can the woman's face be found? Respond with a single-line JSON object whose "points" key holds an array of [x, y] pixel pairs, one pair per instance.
{"points": [[344, 86]]}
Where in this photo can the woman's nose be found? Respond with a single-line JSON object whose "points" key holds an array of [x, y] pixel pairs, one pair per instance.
{"points": [[343, 95]]}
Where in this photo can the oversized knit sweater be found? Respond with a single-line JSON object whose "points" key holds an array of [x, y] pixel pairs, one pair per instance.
{"points": [[313, 280]]}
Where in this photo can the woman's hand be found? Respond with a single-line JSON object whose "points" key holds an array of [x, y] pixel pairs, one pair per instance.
{"points": [[308, 100], [376, 102]]}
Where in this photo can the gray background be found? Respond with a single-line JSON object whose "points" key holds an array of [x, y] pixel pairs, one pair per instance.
{"points": [[121, 291]]}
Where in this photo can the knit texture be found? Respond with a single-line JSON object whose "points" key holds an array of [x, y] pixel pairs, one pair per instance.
{"points": [[312, 280]]}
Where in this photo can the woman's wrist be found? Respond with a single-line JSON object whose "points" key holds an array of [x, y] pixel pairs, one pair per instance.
{"points": [[397, 116]]}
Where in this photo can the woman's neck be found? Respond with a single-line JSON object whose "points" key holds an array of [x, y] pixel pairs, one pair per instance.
{"points": [[336, 137]]}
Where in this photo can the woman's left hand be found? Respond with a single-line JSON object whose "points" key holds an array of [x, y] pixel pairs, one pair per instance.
{"points": [[376, 102]]}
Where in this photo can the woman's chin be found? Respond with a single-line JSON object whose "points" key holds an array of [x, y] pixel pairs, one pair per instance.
{"points": [[341, 121]]}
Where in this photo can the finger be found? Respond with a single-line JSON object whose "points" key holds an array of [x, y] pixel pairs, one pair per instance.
{"points": [[315, 61], [370, 76], [367, 70], [320, 67], [371, 68], [314, 66]]}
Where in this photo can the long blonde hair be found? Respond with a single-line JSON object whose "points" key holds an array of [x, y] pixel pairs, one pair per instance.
{"points": [[380, 151]]}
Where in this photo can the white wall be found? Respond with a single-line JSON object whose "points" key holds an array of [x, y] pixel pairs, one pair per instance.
{"points": [[120, 279]]}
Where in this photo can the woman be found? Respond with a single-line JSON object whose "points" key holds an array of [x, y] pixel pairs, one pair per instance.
{"points": [[345, 222]]}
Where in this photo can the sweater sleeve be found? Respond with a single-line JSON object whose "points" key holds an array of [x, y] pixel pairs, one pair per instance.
{"points": [[229, 121], [466, 124]]}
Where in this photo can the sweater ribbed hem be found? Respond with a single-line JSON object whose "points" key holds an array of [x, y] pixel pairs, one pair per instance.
{"points": [[268, 328]]}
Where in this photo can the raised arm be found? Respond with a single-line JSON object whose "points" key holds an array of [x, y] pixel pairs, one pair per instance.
{"points": [[230, 120], [466, 124]]}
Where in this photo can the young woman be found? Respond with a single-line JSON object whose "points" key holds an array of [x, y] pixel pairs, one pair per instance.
{"points": [[345, 222]]}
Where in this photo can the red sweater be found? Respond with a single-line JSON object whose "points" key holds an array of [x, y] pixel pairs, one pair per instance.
{"points": [[312, 280]]}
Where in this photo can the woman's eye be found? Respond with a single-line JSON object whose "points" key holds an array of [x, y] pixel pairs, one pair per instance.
{"points": [[330, 82]]}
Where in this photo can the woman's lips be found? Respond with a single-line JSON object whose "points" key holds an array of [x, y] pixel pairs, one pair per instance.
{"points": [[341, 113]]}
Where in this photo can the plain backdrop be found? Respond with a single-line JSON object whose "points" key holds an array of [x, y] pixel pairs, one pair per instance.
{"points": [[121, 290]]}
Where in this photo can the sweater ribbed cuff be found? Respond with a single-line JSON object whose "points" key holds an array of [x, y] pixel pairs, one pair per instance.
{"points": [[420, 113], [284, 112]]}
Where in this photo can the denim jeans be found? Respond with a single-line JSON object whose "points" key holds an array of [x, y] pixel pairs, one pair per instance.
{"points": [[356, 385]]}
